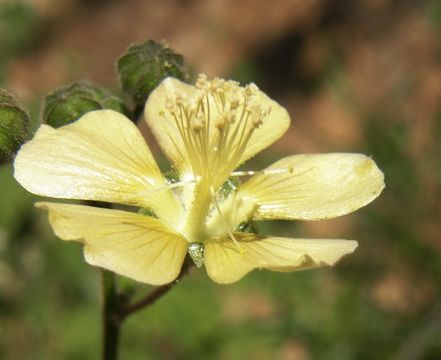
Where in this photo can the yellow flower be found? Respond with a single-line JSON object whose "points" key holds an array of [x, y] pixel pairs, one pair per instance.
{"points": [[206, 131]]}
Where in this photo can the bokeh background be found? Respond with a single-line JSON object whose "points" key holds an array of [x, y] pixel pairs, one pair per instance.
{"points": [[356, 76]]}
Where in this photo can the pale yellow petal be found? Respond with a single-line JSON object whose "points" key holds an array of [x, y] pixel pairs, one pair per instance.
{"points": [[166, 131], [228, 130], [311, 187], [139, 247], [272, 128], [102, 156], [225, 263]]}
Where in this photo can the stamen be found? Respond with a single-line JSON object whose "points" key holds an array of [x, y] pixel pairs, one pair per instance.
{"points": [[221, 122], [202, 82], [198, 123], [172, 185], [170, 105], [264, 172], [224, 222], [244, 173], [234, 103], [216, 124], [181, 100], [251, 90]]}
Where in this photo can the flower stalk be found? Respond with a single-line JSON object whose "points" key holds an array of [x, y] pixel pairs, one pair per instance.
{"points": [[116, 308], [111, 321]]}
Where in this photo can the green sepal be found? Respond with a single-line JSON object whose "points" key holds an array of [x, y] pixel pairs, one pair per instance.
{"points": [[247, 227], [14, 125], [196, 252], [69, 103], [143, 66], [228, 187], [147, 212], [172, 176]]}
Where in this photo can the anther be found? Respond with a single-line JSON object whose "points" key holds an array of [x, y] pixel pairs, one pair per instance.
{"points": [[234, 104], [225, 119], [198, 123], [181, 99], [202, 81], [220, 123], [251, 89], [257, 121], [170, 105], [268, 111], [217, 84], [192, 105], [256, 116]]}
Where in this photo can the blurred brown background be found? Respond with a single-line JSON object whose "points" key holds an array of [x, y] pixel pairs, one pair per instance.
{"points": [[356, 76]]}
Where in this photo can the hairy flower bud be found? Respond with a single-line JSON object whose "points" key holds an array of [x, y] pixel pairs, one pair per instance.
{"points": [[13, 126], [69, 103], [144, 66]]}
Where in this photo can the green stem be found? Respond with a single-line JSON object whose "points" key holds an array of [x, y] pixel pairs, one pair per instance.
{"points": [[137, 112], [150, 299], [111, 323], [115, 309], [153, 296]]}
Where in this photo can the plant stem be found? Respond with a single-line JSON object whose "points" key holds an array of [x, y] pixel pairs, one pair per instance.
{"points": [[111, 323], [137, 112], [150, 299], [154, 295], [115, 310]]}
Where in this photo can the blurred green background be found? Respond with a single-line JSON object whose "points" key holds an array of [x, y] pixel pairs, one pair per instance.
{"points": [[356, 76]]}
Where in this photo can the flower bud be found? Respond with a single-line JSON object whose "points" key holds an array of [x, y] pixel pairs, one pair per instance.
{"points": [[13, 126], [144, 66], [69, 103]]}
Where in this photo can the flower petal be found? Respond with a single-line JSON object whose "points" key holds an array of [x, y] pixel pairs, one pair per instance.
{"points": [[211, 132], [166, 132], [271, 129], [102, 156], [225, 263], [310, 187], [139, 247]]}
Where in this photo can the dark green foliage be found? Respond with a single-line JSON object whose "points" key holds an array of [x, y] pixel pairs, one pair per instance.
{"points": [[19, 26]]}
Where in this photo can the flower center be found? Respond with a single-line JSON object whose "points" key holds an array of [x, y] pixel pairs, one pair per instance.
{"points": [[216, 125]]}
